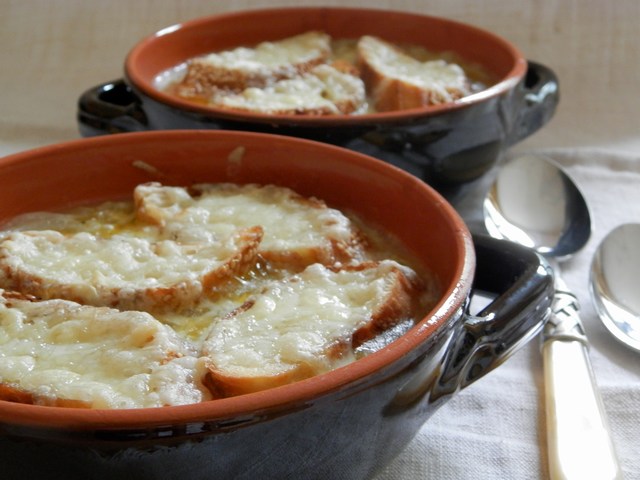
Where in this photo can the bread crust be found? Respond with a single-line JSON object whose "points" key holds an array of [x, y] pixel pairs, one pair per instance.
{"points": [[397, 81]]}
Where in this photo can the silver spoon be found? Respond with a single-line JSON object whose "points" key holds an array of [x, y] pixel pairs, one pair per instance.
{"points": [[614, 283], [534, 203]]}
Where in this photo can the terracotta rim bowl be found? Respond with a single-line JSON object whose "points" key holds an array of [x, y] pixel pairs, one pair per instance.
{"points": [[311, 428], [445, 145], [104, 168], [175, 44]]}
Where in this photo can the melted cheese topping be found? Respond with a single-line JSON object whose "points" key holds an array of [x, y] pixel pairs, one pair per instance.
{"points": [[437, 75], [266, 321], [283, 54], [259, 79], [324, 90], [218, 209], [59, 350], [116, 262], [297, 320], [119, 270]]}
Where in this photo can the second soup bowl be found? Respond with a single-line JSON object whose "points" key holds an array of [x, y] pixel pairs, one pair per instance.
{"points": [[446, 145]]}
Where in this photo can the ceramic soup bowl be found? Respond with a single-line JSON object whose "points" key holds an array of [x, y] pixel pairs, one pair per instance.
{"points": [[447, 145], [347, 423]]}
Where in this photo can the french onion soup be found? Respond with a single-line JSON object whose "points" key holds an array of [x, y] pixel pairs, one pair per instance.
{"points": [[187, 294], [315, 74]]}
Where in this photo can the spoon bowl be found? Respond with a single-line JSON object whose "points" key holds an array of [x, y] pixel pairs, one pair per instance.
{"points": [[533, 202], [614, 284]]}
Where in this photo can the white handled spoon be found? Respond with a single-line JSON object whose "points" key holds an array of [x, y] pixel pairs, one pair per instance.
{"points": [[534, 203]]}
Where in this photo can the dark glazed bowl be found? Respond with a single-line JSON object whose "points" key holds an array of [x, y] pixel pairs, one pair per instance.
{"points": [[344, 424], [445, 145]]}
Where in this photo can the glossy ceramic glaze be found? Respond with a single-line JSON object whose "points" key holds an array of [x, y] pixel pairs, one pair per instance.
{"points": [[445, 145], [347, 423]]}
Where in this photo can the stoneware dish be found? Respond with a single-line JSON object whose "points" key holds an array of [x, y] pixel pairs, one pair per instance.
{"points": [[446, 145], [347, 423]]}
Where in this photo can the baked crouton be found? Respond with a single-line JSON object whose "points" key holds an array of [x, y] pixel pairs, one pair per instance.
{"points": [[324, 90], [123, 271], [396, 81], [306, 324], [259, 66], [60, 353], [298, 231]]}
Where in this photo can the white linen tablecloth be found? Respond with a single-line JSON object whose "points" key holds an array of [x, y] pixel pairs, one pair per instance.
{"points": [[50, 52]]}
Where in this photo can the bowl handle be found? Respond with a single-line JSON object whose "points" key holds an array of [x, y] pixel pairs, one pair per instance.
{"points": [[540, 92], [110, 107], [523, 283]]}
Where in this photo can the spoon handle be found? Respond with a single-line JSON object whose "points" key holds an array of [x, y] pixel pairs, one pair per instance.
{"points": [[579, 442]]}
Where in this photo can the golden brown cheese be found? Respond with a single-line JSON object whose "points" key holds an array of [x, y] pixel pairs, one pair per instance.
{"points": [[57, 352]]}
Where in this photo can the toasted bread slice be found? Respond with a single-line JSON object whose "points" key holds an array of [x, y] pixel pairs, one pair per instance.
{"points": [[307, 324], [396, 81], [298, 231], [259, 66], [324, 90], [60, 353], [123, 271]]}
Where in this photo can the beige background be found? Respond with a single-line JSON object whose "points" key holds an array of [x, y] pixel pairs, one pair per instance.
{"points": [[53, 50], [50, 51]]}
